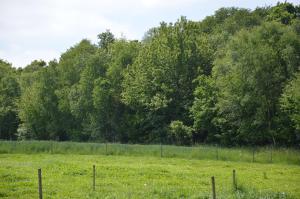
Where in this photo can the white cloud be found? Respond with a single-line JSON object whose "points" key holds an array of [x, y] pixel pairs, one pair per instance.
{"points": [[167, 3], [23, 57], [43, 29]]}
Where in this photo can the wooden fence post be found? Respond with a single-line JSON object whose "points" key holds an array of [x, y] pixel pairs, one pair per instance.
{"points": [[217, 152], [106, 148], [161, 150], [213, 187], [271, 154], [234, 180], [40, 183], [51, 146], [94, 177], [265, 175]]}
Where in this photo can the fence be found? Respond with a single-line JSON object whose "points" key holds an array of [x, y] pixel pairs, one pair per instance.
{"points": [[93, 182], [258, 155], [213, 183], [97, 184]]}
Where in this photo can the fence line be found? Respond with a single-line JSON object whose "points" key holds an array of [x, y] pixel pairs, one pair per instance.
{"points": [[257, 155], [40, 190], [213, 182]]}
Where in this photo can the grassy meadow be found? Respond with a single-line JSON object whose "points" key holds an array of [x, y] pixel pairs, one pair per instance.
{"points": [[138, 171], [201, 152]]}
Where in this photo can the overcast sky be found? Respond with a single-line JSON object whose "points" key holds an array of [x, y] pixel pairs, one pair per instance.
{"points": [[43, 29]]}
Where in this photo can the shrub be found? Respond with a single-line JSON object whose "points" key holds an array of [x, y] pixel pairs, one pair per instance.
{"points": [[180, 132]]}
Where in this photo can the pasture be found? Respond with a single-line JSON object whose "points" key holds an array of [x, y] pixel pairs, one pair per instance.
{"points": [[137, 171]]}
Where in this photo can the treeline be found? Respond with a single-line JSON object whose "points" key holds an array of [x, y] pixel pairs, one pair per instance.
{"points": [[232, 78]]}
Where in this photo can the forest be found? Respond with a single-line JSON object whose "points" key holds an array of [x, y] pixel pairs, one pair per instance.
{"points": [[232, 79]]}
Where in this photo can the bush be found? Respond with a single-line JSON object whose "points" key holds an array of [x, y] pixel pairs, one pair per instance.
{"points": [[180, 132]]}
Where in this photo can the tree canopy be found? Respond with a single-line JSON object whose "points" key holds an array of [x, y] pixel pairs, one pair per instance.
{"points": [[232, 79]]}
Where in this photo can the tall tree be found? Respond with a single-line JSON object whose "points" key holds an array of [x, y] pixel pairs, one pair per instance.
{"points": [[161, 78], [204, 110], [70, 69], [9, 94], [105, 38], [284, 13], [38, 106], [290, 101], [111, 114], [250, 74]]}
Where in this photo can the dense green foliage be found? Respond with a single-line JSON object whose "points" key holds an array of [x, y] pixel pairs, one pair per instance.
{"points": [[290, 100], [232, 78], [9, 93]]}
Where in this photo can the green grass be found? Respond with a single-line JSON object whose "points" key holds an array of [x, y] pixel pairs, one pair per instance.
{"points": [[201, 152], [70, 176], [138, 171]]}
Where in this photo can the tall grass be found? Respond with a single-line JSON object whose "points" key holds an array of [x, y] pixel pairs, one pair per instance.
{"points": [[260, 155]]}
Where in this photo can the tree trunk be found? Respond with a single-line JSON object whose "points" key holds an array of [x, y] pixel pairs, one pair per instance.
{"points": [[270, 124]]}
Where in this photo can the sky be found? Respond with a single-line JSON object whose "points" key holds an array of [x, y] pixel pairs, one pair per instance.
{"points": [[43, 29]]}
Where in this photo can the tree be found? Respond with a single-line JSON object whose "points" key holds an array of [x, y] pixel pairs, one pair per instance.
{"points": [[290, 100], [74, 66], [284, 13], [9, 94], [38, 107], [250, 73], [110, 112], [204, 109], [231, 78], [180, 132], [105, 39], [161, 78]]}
